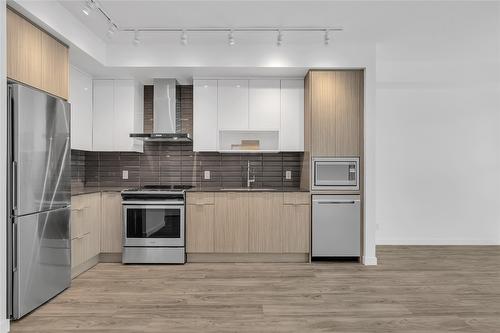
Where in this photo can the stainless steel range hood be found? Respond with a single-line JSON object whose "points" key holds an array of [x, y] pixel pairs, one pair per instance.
{"points": [[166, 123]]}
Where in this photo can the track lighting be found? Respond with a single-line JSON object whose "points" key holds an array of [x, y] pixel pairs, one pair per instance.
{"points": [[112, 29], [136, 40], [327, 37], [279, 40], [184, 38], [89, 7], [230, 38]]}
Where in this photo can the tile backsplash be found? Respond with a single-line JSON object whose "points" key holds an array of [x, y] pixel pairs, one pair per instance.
{"points": [[166, 163], [175, 163]]}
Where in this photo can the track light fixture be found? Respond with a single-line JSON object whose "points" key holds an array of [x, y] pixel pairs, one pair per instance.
{"points": [[89, 7], [279, 39], [327, 37], [136, 40], [230, 38], [184, 38], [112, 29]]}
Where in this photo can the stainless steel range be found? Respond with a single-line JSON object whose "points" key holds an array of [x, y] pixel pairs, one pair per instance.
{"points": [[154, 224]]}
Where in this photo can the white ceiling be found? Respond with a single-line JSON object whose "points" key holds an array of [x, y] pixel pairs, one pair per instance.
{"points": [[363, 21]]}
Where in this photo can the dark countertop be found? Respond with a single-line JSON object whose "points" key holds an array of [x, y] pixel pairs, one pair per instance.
{"points": [[94, 189], [266, 189]]}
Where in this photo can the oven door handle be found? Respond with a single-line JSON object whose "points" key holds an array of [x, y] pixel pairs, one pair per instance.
{"points": [[162, 206], [147, 203]]}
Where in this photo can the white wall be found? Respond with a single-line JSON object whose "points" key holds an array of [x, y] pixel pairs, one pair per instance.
{"points": [[438, 129], [4, 323]]}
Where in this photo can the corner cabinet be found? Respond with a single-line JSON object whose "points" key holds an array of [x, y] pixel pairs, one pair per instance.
{"points": [[117, 111], [36, 58], [229, 112]]}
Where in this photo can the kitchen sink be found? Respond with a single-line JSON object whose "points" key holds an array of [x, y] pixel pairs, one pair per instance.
{"points": [[246, 189]]}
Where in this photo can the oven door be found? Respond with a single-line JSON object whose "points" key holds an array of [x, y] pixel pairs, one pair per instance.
{"points": [[336, 173], [153, 225]]}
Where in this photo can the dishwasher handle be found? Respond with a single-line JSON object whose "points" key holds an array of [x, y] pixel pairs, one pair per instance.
{"points": [[336, 202]]}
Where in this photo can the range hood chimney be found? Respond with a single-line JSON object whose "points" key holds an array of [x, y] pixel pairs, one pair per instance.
{"points": [[164, 114]]}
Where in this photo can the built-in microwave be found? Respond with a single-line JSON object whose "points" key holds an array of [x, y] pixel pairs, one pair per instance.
{"points": [[335, 173]]}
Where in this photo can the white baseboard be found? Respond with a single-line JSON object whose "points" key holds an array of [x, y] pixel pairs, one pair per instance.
{"points": [[408, 241], [369, 261], [4, 325]]}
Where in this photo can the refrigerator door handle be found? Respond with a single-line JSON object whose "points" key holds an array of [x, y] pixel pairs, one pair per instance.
{"points": [[14, 247], [14, 185]]}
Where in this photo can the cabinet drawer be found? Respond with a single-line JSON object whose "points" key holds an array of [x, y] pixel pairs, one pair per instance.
{"points": [[296, 198], [80, 250], [79, 223], [201, 198]]}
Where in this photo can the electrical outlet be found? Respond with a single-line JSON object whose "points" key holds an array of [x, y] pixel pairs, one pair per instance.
{"points": [[288, 174], [125, 174], [206, 174]]}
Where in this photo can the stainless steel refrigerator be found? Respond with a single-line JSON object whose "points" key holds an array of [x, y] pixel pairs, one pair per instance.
{"points": [[39, 172]]}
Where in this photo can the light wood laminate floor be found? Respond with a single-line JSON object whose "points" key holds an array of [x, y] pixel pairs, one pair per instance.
{"points": [[414, 289]]}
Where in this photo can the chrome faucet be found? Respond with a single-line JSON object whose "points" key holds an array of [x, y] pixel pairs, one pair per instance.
{"points": [[249, 181]]}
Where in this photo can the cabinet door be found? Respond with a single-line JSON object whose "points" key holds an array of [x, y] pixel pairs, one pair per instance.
{"points": [[24, 48], [233, 104], [103, 115], [296, 228], [79, 250], [111, 222], [205, 115], [264, 104], [349, 106], [292, 115], [55, 66], [124, 115], [81, 109], [264, 222], [231, 223], [93, 218], [200, 228], [337, 104]]}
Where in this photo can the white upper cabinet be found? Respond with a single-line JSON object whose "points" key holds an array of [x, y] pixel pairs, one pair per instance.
{"points": [[103, 115], [205, 115], [118, 111], [81, 109], [233, 104], [248, 115], [292, 115], [264, 104]]}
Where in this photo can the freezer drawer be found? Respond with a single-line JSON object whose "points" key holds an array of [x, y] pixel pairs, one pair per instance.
{"points": [[336, 226], [41, 259]]}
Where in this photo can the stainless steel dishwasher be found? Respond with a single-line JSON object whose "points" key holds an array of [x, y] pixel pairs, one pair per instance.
{"points": [[336, 226]]}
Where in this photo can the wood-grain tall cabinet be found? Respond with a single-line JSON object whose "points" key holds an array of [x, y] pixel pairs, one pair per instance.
{"points": [[333, 116]]}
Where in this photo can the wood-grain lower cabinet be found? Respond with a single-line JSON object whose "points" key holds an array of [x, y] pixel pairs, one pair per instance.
{"points": [[231, 223], [296, 225], [85, 231], [111, 222], [270, 223], [265, 226], [200, 218]]}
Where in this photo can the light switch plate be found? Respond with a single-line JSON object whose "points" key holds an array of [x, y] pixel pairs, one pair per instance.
{"points": [[206, 174], [288, 174], [125, 174]]}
